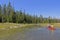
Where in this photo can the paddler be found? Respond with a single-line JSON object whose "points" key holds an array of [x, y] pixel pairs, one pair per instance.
{"points": [[51, 27]]}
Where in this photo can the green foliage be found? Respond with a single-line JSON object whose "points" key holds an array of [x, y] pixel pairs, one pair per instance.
{"points": [[0, 13], [8, 14]]}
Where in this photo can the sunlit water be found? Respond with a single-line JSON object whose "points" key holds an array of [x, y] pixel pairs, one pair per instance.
{"points": [[35, 34]]}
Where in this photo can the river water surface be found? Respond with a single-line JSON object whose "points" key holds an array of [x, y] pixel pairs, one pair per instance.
{"points": [[35, 34]]}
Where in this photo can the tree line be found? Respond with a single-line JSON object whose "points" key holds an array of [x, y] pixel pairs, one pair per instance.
{"points": [[8, 14]]}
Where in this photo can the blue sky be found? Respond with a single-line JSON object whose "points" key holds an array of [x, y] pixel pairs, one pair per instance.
{"points": [[37, 7]]}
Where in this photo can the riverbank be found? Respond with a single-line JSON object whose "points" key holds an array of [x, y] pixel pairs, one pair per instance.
{"points": [[16, 25], [7, 29], [57, 25]]}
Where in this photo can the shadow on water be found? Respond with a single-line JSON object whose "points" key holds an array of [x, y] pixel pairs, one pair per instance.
{"points": [[35, 34]]}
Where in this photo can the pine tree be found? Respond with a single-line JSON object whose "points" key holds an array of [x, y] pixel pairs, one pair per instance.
{"points": [[0, 13]]}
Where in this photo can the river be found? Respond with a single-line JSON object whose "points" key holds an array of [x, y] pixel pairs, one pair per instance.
{"points": [[35, 34]]}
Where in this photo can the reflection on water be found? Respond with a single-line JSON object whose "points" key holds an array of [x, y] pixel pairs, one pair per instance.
{"points": [[36, 34]]}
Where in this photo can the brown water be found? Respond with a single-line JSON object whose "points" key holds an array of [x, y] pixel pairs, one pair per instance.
{"points": [[35, 34]]}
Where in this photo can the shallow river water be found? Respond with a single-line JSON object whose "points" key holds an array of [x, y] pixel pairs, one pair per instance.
{"points": [[35, 34]]}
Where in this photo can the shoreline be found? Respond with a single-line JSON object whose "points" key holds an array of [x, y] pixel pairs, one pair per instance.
{"points": [[7, 29], [16, 25]]}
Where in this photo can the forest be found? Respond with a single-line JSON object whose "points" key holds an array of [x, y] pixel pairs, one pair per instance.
{"points": [[8, 14]]}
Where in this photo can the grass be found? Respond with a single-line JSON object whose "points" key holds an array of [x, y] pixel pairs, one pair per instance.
{"points": [[57, 25], [7, 25]]}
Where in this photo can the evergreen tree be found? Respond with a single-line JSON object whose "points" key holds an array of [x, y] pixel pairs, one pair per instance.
{"points": [[0, 13], [4, 13]]}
